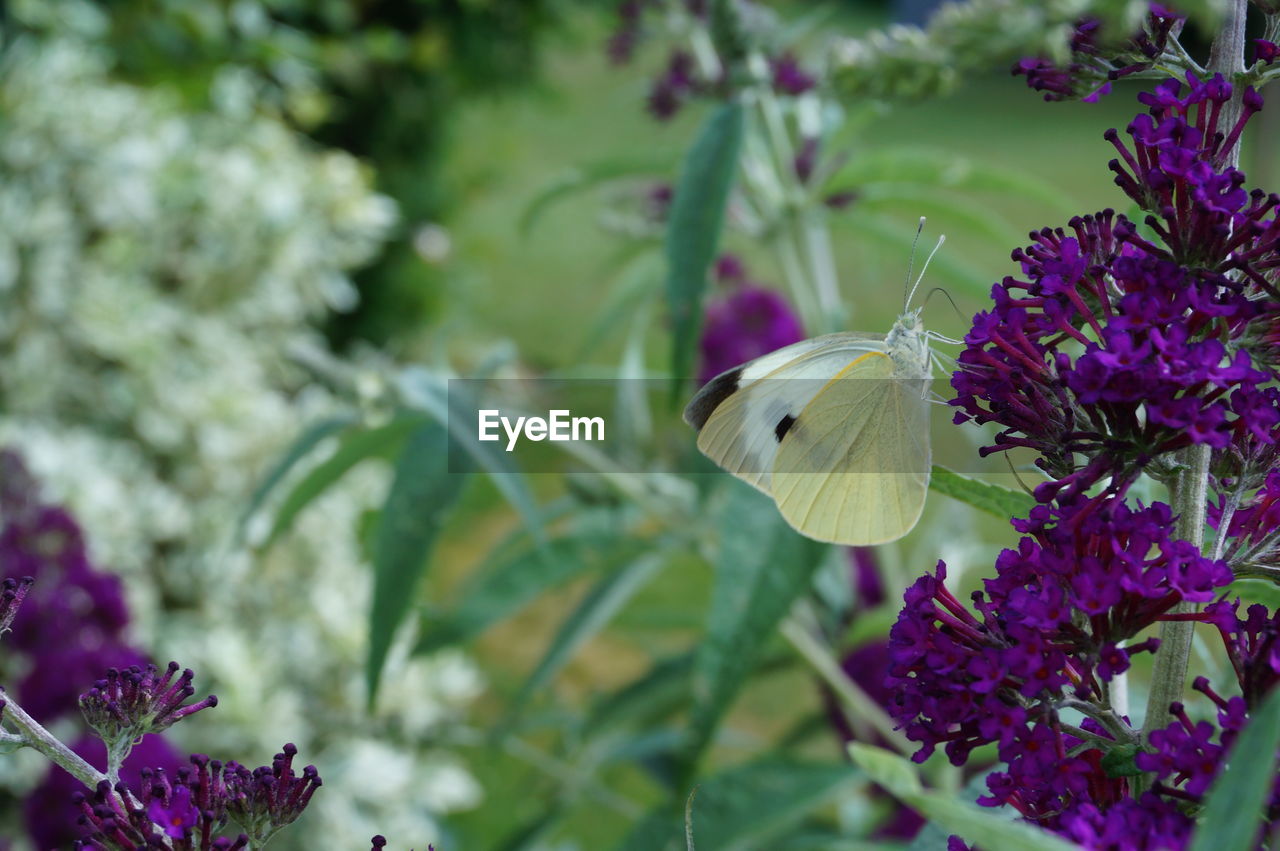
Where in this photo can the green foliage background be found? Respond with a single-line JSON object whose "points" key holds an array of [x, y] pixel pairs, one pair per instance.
{"points": [[587, 604]]}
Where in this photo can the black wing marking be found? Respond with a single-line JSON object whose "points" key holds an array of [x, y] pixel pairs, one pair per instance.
{"points": [[783, 426], [703, 405]]}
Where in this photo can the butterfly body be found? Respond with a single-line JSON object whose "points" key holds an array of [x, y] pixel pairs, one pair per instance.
{"points": [[834, 428]]}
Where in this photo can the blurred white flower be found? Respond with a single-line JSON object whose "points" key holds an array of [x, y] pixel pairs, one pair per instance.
{"points": [[157, 267]]}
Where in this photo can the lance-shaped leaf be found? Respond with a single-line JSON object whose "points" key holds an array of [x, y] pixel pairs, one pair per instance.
{"points": [[355, 446], [981, 826], [985, 496], [302, 446], [516, 579], [693, 229], [1233, 809], [592, 614], [421, 494], [763, 566]]}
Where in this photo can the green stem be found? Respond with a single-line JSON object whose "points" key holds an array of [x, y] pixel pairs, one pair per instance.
{"points": [[818, 241], [862, 705], [39, 739], [1169, 674]]}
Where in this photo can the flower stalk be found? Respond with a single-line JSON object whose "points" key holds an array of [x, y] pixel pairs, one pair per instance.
{"points": [[36, 737], [1169, 673]]}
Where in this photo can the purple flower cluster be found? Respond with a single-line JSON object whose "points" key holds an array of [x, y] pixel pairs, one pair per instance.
{"points": [[1115, 347], [72, 627], [1051, 626], [1089, 74], [48, 811], [73, 622], [69, 626], [789, 78], [130, 703], [1116, 350], [1043, 641], [747, 322], [674, 87], [188, 811], [680, 81]]}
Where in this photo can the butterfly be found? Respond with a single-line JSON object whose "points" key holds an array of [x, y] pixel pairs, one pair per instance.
{"points": [[835, 429]]}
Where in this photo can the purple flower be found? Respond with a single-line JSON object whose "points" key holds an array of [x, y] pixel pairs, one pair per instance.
{"points": [[1086, 577], [131, 702], [48, 811], [789, 78], [729, 269], [194, 803], [674, 86], [1177, 171], [268, 798], [806, 159], [622, 43], [657, 202], [1251, 645], [1265, 51], [12, 593], [1089, 74], [749, 322], [1113, 350], [177, 816], [72, 623], [1128, 825]]}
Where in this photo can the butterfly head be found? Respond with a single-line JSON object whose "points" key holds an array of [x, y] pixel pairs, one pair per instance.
{"points": [[908, 344]]}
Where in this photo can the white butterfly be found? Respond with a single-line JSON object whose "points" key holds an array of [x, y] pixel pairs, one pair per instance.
{"points": [[835, 429]]}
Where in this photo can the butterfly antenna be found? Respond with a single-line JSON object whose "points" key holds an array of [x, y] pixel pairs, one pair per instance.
{"points": [[907, 289], [941, 239], [949, 298], [1015, 474]]}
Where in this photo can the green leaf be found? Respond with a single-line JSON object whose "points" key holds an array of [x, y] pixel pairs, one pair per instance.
{"points": [[356, 446], [918, 200], [944, 265], [515, 580], [634, 286], [1254, 590], [533, 834], [1119, 761], [762, 567], [982, 826], [898, 776], [693, 230], [592, 614], [580, 179], [1233, 808], [935, 168], [421, 493], [744, 807], [302, 446], [933, 837], [450, 404], [660, 692], [992, 498]]}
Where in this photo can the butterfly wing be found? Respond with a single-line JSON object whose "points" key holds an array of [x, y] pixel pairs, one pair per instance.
{"points": [[742, 415], [854, 466]]}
